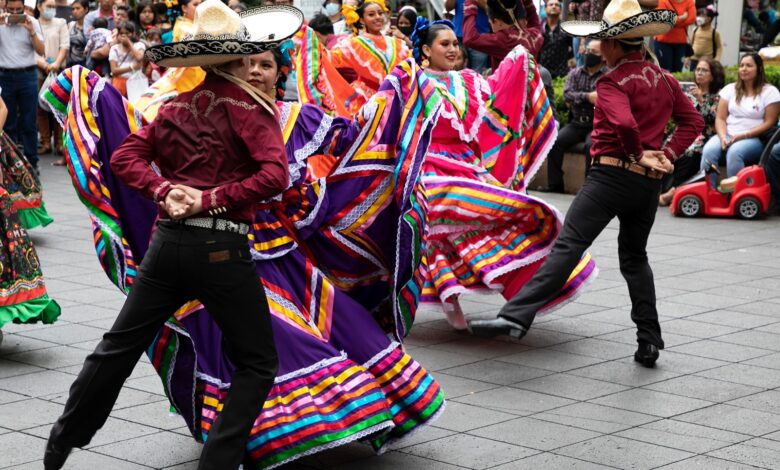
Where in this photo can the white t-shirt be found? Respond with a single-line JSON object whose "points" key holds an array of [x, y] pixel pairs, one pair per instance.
{"points": [[124, 58], [749, 112]]}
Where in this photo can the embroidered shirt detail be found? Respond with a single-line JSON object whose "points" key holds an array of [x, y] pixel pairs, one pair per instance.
{"points": [[654, 76], [213, 102]]}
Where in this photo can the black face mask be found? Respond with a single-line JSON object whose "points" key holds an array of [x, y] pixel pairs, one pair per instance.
{"points": [[592, 60], [407, 30]]}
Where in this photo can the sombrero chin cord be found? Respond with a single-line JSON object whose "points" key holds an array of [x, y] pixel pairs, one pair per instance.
{"points": [[263, 99]]}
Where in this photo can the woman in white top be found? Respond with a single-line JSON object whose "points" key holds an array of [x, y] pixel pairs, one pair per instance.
{"points": [[747, 109], [126, 56]]}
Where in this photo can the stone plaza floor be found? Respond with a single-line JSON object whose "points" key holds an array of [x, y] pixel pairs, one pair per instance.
{"points": [[567, 396]]}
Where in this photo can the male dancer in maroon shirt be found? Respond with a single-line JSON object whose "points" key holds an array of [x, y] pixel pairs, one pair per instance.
{"points": [[635, 101], [219, 151]]}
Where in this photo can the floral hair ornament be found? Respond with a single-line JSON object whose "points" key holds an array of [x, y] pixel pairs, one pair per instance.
{"points": [[420, 32], [351, 16]]}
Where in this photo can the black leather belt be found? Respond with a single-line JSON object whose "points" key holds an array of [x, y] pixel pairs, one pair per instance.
{"points": [[21, 70]]}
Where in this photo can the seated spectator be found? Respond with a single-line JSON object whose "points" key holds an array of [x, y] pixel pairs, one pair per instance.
{"points": [[98, 46], [709, 79], [513, 22], [747, 109], [580, 93], [126, 56], [106, 11], [556, 50], [56, 40]]}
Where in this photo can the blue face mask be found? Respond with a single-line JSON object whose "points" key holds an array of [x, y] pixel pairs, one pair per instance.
{"points": [[49, 13], [332, 9]]}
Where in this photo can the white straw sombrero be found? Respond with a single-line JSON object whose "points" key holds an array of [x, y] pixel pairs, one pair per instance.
{"points": [[220, 35], [623, 19]]}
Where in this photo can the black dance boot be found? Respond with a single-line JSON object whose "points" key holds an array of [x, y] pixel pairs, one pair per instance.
{"points": [[497, 326], [55, 456], [646, 354]]}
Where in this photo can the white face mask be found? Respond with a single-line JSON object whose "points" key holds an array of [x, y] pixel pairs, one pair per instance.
{"points": [[49, 13], [332, 9], [700, 20]]}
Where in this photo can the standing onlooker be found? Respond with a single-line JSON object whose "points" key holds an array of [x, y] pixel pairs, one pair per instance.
{"points": [[478, 61], [56, 40], [556, 50], [746, 110], [513, 22], [19, 43], [705, 40], [709, 79], [580, 93], [126, 56], [332, 8], [183, 26], [407, 19], [98, 46], [144, 16], [105, 10], [581, 11], [670, 47], [78, 37]]}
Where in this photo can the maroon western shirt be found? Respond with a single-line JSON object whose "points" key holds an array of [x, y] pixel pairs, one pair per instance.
{"points": [[635, 101], [215, 138], [498, 45]]}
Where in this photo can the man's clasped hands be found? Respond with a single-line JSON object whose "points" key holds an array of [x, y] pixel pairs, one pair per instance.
{"points": [[656, 160], [182, 201]]}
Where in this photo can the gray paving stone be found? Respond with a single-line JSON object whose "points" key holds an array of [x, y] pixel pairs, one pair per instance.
{"points": [[651, 402], [721, 351], [8, 397], [14, 368], [758, 339], [771, 361], [712, 301], [13, 344], [426, 434], [593, 417], [765, 308], [733, 418], [581, 326], [470, 451], [20, 448], [614, 316], [496, 372], [393, 461], [29, 413], [65, 334], [683, 436], [595, 347], [479, 348], [514, 401], [768, 401], [628, 336], [461, 417], [458, 386], [156, 415], [745, 374], [547, 359], [623, 373], [550, 461], [542, 338], [155, 450], [115, 430], [51, 358], [422, 336], [708, 463], [733, 318], [753, 452], [37, 384], [684, 363], [534, 433], [570, 386], [697, 329], [703, 388], [612, 450]]}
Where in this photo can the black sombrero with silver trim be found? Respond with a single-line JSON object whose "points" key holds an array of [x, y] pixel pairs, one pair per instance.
{"points": [[623, 19], [220, 35]]}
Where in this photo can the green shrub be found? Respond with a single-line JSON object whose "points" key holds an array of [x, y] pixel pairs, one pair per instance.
{"points": [[559, 104]]}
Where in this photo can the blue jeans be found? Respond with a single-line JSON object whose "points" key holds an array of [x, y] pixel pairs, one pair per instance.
{"points": [[737, 155], [20, 93], [478, 61], [772, 169], [575, 46], [670, 56]]}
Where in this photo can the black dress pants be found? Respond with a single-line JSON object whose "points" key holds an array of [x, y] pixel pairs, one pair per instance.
{"points": [[569, 136], [184, 263], [608, 192]]}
